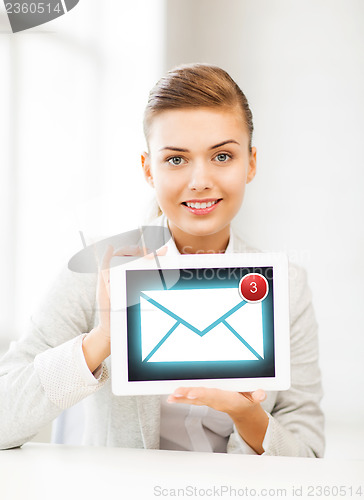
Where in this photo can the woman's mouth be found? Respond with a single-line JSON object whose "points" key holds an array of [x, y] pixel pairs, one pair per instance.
{"points": [[201, 207]]}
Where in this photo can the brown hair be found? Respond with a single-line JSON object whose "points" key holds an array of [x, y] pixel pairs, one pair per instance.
{"points": [[196, 85]]}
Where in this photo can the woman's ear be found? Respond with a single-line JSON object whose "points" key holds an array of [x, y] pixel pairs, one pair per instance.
{"points": [[147, 168], [252, 165]]}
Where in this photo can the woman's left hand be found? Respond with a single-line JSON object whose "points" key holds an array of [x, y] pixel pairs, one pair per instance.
{"points": [[234, 404], [244, 409]]}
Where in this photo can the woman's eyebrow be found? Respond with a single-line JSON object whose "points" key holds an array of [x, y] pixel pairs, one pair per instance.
{"points": [[173, 148], [182, 150], [225, 142]]}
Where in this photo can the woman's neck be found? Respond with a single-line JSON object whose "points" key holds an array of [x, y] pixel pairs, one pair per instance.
{"points": [[191, 244]]}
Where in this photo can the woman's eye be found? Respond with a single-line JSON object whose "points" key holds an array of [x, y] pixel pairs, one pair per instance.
{"points": [[175, 160], [222, 157]]}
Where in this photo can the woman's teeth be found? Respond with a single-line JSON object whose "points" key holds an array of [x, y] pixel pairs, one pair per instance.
{"points": [[201, 205]]}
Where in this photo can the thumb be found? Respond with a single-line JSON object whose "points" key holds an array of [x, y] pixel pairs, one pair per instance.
{"points": [[259, 396]]}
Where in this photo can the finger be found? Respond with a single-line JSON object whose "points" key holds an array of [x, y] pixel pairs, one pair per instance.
{"points": [[145, 250], [104, 277], [159, 252], [182, 393], [248, 396], [259, 396], [233, 403], [105, 263], [128, 251], [255, 397], [215, 398], [163, 250], [132, 250]]}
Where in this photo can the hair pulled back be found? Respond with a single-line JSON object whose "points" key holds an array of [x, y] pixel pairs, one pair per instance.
{"points": [[196, 85]]}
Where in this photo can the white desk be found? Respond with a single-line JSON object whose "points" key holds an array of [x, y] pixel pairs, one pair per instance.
{"points": [[53, 472]]}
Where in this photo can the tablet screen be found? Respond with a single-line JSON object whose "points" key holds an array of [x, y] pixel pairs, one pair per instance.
{"points": [[211, 323]]}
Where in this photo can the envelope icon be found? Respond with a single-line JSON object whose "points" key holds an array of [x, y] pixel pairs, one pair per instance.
{"points": [[213, 324]]}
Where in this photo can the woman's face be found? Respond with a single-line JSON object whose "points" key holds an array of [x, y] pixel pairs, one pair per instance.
{"points": [[199, 163]]}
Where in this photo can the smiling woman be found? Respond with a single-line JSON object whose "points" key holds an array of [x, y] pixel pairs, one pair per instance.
{"points": [[213, 166], [198, 127]]}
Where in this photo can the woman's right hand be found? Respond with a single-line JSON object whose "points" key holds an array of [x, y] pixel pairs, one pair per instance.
{"points": [[96, 344]]}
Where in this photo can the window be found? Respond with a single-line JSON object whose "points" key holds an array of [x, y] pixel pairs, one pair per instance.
{"points": [[73, 93]]}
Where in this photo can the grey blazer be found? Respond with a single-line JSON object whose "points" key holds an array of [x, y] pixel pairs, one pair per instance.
{"points": [[44, 373]]}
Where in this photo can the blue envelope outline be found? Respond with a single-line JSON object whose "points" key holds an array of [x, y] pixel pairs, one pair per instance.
{"points": [[201, 333]]}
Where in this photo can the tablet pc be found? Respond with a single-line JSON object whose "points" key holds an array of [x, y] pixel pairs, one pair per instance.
{"points": [[213, 320]]}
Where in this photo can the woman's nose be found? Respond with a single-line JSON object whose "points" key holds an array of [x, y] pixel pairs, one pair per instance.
{"points": [[200, 177]]}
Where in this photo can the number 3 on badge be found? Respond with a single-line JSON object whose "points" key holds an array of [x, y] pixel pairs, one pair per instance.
{"points": [[253, 287]]}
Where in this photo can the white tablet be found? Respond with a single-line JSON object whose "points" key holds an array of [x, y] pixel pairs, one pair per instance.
{"points": [[213, 320]]}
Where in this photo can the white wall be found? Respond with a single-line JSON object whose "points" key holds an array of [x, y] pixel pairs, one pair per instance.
{"points": [[72, 96], [301, 65]]}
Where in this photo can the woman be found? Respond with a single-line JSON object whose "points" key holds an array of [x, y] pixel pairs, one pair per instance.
{"points": [[198, 128]]}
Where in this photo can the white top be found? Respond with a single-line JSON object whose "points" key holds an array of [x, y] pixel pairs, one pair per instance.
{"points": [[190, 427]]}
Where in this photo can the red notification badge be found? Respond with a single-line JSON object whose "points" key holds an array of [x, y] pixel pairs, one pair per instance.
{"points": [[253, 287]]}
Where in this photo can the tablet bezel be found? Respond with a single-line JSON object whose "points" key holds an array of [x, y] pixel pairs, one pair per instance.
{"points": [[118, 322]]}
